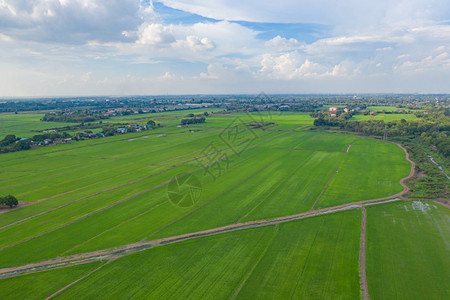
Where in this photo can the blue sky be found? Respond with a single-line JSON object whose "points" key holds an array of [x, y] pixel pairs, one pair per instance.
{"points": [[125, 47]]}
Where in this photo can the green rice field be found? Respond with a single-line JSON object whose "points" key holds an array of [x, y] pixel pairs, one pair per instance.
{"points": [[408, 251], [140, 187], [384, 117], [25, 125]]}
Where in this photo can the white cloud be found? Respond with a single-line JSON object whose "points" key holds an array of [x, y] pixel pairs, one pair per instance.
{"points": [[42, 41], [282, 44], [168, 75], [195, 43], [440, 62], [294, 66], [69, 21], [87, 77], [156, 34]]}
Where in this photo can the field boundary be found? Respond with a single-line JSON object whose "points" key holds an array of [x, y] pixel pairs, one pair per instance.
{"points": [[119, 251], [328, 182], [362, 256], [76, 281]]}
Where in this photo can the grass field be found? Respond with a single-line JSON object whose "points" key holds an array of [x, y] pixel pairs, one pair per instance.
{"points": [[28, 125], [43, 284], [384, 108], [97, 194], [384, 117], [408, 251], [25, 125], [353, 181], [100, 194], [264, 263]]}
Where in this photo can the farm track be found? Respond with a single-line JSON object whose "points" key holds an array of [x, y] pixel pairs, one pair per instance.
{"points": [[328, 182], [76, 281], [208, 202], [269, 194], [362, 256], [263, 253], [303, 149], [7, 209], [120, 251], [111, 254], [224, 193]]}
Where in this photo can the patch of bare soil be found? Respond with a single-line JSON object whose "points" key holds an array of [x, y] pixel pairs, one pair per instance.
{"points": [[4, 209]]}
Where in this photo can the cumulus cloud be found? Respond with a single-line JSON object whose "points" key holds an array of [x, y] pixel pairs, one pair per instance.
{"points": [[42, 41], [196, 43], [156, 34], [69, 21], [294, 66], [282, 44], [430, 63]]}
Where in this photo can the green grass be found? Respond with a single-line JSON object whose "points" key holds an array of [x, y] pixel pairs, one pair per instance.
{"points": [[104, 193], [368, 171], [42, 284], [384, 108], [113, 191], [263, 263], [25, 125], [384, 117], [408, 246]]}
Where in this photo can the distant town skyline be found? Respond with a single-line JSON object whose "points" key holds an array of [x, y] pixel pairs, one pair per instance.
{"points": [[132, 47]]}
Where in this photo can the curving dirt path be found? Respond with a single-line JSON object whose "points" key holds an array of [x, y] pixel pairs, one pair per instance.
{"points": [[412, 173], [117, 252]]}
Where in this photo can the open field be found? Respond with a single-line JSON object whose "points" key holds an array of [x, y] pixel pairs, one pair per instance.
{"points": [[384, 108], [100, 194], [384, 117], [97, 194], [25, 125], [43, 284], [28, 125], [236, 264], [408, 251], [353, 181]]}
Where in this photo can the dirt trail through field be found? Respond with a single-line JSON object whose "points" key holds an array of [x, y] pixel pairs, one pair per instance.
{"points": [[123, 250], [362, 256], [7, 209], [76, 281], [328, 182], [412, 173], [117, 252]]}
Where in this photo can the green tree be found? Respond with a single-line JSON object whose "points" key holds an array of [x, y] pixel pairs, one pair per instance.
{"points": [[9, 200]]}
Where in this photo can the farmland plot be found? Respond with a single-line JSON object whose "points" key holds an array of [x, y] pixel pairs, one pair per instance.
{"points": [[408, 251], [297, 259]]}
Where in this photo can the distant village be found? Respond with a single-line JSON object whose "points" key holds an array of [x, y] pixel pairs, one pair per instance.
{"points": [[11, 143]]}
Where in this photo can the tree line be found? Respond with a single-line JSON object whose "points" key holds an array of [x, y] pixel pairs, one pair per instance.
{"points": [[432, 130]]}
